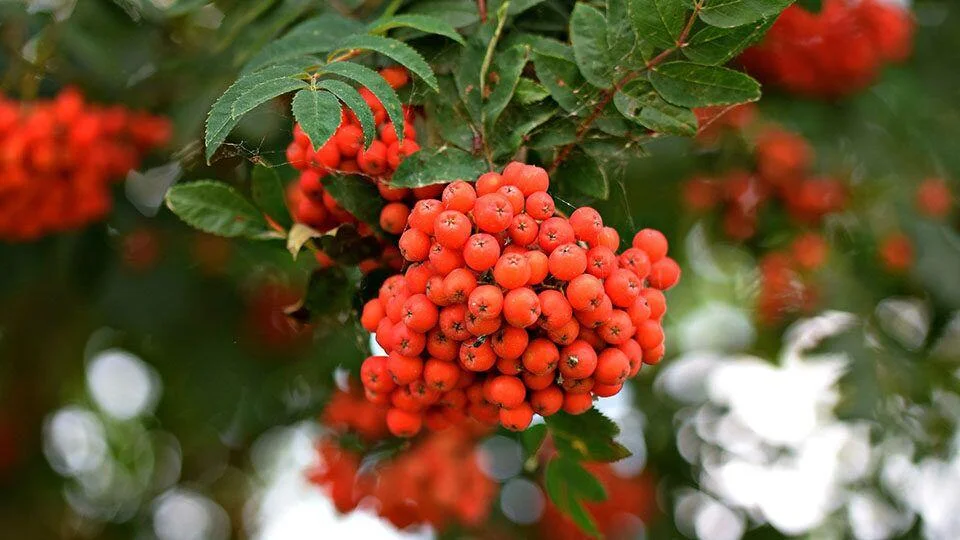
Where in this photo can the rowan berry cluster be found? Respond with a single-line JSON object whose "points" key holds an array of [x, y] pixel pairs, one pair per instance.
{"points": [[781, 176], [344, 153], [785, 278], [835, 52], [58, 158], [508, 310], [437, 481]]}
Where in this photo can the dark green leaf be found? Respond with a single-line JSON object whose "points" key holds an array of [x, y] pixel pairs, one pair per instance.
{"points": [[813, 6], [565, 84], [377, 85], [731, 13], [557, 132], [318, 113], [428, 167], [638, 101], [327, 294], [268, 194], [516, 6], [396, 50], [659, 22], [582, 173], [423, 23], [355, 102], [317, 35], [623, 47], [515, 124], [506, 70], [358, 196], [532, 438], [447, 105], [530, 91], [692, 85], [713, 45], [587, 436], [347, 247], [457, 13], [216, 208], [467, 77], [246, 93], [588, 34], [568, 484]]}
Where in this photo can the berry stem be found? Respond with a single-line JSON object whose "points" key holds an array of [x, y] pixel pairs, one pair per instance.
{"points": [[584, 126]]}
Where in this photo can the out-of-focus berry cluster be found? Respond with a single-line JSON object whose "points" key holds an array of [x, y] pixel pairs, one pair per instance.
{"points": [[58, 158], [437, 481], [509, 310], [835, 52]]}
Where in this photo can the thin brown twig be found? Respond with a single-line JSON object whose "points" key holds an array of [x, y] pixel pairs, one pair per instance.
{"points": [[564, 152], [482, 9]]}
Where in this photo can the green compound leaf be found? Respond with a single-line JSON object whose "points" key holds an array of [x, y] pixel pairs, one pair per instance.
{"points": [[354, 101], [659, 22], [568, 485], [396, 50], [713, 45], [428, 167], [423, 23], [693, 85], [377, 85], [318, 113], [217, 208], [588, 436], [731, 13]]}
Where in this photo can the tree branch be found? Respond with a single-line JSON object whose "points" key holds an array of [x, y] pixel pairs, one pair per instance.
{"points": [[564, 152]]}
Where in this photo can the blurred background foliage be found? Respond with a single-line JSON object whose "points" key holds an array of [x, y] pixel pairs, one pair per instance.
{"points": [[206, 316]]}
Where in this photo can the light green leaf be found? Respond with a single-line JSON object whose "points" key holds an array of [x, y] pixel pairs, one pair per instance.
{"points": [[588, 33], [217, 208], [692, 85], [318, 113], [268, 194], [377, 85], [659, 22], [713, 45], [731, 13], [582, 173], [568, 484], [354, 101], [428, 167], [317, 35], [530, 91], [245, 94], [298, 236], [358, 196], [507, 67], [396, 50], [423, 23]]}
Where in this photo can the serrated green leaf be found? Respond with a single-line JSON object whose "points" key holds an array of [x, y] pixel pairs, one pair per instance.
{"points": [[530, 91], [467, 77], [623, 47], [515, 124], [216, 208], [313, 36], [587, 436], [516, 6], [507, 67], [558, 132], [268, 194], [568, 484], [428, 167], [354, 101], [396, 50], [318, 113], [565, 83], [582, 173], [693, 85], [588, 34], [246, 93], [298, 236], [532, 438], [545, 46], [659, 22], [457, 13], [447, 105], [731, 13], [713, 45], [423, 23], [639, 102], [377, 85], [358, 196]]}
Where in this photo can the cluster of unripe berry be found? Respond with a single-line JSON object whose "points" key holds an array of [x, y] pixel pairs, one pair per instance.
{"points": [[835, 52], [344, 153], [436, 481], [58, 158], [780, 175], [507, 309]]}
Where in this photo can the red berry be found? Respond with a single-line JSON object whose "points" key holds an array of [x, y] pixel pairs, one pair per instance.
{"points": [[493, 213], [506, 391], [521, 307], [587, 224], [653, 242], [664, 274], [459, 196], [578, 360], [546, 401], [481, 252], [404, 424], [518, 418], [568, 261]]}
